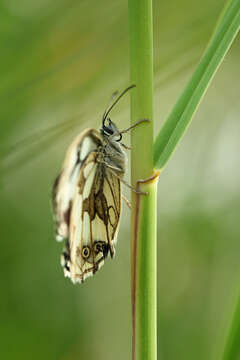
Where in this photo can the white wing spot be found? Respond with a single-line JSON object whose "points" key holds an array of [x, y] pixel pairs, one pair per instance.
{"points": [[112, 216], [86, 228], [98, 229], [87, 146], [75, 222], [87, 169], [88, 184]]}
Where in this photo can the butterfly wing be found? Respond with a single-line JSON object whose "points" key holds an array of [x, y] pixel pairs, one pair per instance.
{"points": [[65, 184], [87, 205], [94, 220]]}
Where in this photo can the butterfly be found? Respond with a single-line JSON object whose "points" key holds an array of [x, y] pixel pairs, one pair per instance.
{"points": [[87, 197]]}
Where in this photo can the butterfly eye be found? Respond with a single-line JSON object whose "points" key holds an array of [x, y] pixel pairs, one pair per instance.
{"points": [[85, 252], [107, 130]]}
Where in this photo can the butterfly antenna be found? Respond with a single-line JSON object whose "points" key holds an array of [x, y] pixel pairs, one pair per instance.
{"points": [[110, 101], [108, 110]]}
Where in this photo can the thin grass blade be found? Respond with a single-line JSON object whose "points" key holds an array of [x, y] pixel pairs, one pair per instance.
{"points": [[183, 111]]}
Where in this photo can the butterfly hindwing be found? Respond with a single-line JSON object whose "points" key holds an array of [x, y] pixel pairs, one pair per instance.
{"points": [[87, 203], [94, 219]]}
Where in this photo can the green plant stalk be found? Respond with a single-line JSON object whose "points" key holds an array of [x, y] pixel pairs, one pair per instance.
{"points": [[143, 230], [144, 274], [182, 113]]}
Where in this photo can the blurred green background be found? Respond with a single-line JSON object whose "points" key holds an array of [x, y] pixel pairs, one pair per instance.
{"points": [[60, 62]]}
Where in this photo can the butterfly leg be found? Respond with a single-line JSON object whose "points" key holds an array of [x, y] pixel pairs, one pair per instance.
{"points": [[130, 186], [114, 170], [127, 202], [131, 127], [126, 147]]}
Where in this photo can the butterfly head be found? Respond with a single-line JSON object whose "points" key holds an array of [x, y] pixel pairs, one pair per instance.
{"points": [[110, 129]]}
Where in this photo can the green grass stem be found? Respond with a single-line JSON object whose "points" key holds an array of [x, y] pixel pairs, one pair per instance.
{"points": [[143, 243], [145, 157]]}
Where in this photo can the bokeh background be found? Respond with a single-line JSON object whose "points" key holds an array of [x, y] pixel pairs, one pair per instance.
{"points": [[60, 62]]}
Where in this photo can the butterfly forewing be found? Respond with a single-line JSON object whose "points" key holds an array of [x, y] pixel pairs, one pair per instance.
{"points": [[88, 206], [65, 184], [94, 219]]}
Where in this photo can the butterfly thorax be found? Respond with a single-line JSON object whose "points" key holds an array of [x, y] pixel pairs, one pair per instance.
{"points": [[112, 155]]}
